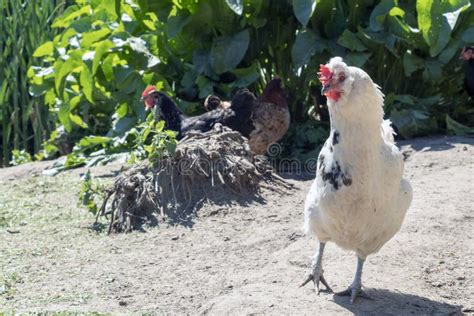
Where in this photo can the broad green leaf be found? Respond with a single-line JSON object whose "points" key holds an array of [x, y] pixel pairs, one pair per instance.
{"points": [[307, 44], [101, 49], [228, 51], [357, 59], [176, 23], [76, 119], [87, 83], [65, 69], [351, 41], [412, 63], [379, 13], [91, 37], [64, 118], [468, 35], [437, 20], [246, 76], [236, 5], [108, 67], [122, 110], [206, 87], [44, 50], [303, 10], [65, 21]]}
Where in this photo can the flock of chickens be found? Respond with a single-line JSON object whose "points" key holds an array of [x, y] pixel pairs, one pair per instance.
{"points": [[359, 197]]}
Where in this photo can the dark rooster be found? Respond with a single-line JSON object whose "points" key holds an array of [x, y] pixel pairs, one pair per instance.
{"points": [[263, 121], [467, 54]]}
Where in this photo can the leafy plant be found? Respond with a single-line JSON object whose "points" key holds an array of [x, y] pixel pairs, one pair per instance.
{"points": [[90, 193], [20, 157], [108, 51], [24, 120]]}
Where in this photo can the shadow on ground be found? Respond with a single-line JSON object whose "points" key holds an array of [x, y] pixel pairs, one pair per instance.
{"points": [[395, 303]]}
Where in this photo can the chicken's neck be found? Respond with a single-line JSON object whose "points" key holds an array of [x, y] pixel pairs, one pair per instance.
{"points": [[356, 126], [170, 113]]}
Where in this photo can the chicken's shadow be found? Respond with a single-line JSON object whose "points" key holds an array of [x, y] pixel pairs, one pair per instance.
{"points": [[220, 200], [387, 302]]}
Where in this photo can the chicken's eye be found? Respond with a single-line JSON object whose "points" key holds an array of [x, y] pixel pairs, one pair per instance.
{"points": [[342, 77]]}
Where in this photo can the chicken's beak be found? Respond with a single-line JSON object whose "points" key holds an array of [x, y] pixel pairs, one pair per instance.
{"points": [[325, 89]]}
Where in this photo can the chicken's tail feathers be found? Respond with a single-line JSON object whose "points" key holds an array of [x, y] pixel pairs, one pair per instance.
{"points": [[388, 132]]}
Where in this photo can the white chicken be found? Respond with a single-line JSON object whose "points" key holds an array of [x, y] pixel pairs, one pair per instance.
{"points": [[359, 198]]}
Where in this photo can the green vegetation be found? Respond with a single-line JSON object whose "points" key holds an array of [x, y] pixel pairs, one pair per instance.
{"points": [[91, 74], [24, 119]]}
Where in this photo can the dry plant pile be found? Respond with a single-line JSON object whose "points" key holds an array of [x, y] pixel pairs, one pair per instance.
{"points": [[216, 166]]}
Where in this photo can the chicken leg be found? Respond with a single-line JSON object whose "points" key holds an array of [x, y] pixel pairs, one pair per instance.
{"points": [[316, 273], [355, 289]]}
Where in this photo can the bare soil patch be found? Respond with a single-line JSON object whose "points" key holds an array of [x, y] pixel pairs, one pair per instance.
{"points": [[236, 258]]}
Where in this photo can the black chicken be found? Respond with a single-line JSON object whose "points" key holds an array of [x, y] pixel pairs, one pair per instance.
{"points": [[164, 108], [262, 120]]}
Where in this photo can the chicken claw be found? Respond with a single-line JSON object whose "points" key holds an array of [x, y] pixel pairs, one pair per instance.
{"points": [[355, 289], [312, 277], [354, 292], [317, 271]]}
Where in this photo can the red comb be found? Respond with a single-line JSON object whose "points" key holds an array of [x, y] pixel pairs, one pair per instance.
{"points": [[324, 74], [148, 90]]}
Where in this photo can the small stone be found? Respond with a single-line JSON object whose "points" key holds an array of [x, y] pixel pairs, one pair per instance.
{"points": [[175, 237], [123, 303]]}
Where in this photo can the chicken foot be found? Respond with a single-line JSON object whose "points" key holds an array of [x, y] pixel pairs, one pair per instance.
{"points": [[355, 289], [316, 274]]}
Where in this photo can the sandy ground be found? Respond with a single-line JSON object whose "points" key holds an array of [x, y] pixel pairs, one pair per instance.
{"points": [[237, 259]]}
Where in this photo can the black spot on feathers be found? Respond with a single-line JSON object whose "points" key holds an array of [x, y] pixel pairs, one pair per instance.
{"points": [[335, 138], [335, 176]]}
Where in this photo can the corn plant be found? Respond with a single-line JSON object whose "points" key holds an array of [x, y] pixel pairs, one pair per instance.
{"points": [[24, 24]]}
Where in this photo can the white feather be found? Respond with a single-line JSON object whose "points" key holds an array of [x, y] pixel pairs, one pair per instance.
{"points": [[363, 215]]}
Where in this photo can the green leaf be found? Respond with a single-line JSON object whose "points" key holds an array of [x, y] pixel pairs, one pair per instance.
{"points": [[351, 41], [206, 87], [160, 126], [437, 20], [44, 50], [87, 83], [64, 70], [101, 49], [303, 10], [357, 59], [228, 51], [122, 110], [468, 35], [64, 117], [412, 63], [379, 13], [307, 44], [108, 67], [91, 37], [65, 21], [176, 23], [246, 76], [89, 141], [457, 128], [76, 119], [236, 6]]}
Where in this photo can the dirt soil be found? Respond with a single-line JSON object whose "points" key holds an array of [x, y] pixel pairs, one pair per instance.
{"points": [[243, 258]]}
